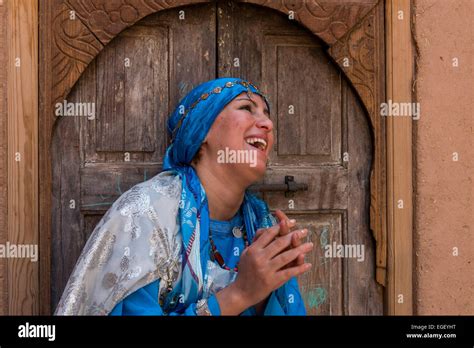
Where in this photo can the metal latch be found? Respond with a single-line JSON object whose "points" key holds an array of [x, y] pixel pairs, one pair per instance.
{"points": [[289, 187]]}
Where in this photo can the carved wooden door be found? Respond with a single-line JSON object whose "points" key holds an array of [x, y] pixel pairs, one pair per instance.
{"points": [[322, 132]]}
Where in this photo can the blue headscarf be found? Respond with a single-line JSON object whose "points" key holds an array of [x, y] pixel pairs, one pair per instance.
{"points": [[188, 126], [193, 117]]}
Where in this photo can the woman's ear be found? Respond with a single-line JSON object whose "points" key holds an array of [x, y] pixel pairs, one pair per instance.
{"points": [[197, 157]]}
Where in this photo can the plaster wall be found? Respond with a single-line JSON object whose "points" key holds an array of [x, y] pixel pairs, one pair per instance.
{"points": [[444, 283]]}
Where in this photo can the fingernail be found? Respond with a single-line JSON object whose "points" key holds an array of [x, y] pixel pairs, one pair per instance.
{"points": [[304, 233], [308, 266], [292, 221]]}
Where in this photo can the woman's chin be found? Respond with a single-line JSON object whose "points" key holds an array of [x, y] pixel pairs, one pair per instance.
{"points": [[257, 172], [249, 173]]}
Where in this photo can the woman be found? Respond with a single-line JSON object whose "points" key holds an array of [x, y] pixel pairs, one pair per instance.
{"points": [[192, 240]]}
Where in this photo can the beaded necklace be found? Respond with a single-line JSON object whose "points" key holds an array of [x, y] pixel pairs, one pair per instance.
{"points": [[216, 255]]}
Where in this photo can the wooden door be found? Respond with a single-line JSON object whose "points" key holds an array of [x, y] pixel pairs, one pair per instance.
{"points": [[323, 138]]}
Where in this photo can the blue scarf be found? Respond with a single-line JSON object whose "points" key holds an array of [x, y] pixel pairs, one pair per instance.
{"points": [[188, 126]]}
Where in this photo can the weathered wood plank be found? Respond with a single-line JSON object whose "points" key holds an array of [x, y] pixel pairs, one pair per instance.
{"points": [[66, 247], [363, 295], [110, 100], [399, 161], [23, 283], [3, 157], [102, 185], [142, 79]]}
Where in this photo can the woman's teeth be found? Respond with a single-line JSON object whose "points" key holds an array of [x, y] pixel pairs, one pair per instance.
{"points": [[257, 142]]}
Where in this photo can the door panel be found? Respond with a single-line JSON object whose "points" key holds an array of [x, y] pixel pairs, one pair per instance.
{"points": [[303, 137], [316, 115], [322, 289]]}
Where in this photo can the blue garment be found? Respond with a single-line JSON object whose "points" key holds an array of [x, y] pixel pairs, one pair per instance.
{"points": [[144, 301]]}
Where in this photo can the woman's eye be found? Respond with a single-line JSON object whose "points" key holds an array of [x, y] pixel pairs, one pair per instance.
{"points": [[246, 107]]}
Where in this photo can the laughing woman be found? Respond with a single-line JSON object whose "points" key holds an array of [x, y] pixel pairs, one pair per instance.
{"points": [[192, 240]]}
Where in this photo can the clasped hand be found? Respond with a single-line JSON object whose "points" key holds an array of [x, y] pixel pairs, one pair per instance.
{"points": [[274, 257]]}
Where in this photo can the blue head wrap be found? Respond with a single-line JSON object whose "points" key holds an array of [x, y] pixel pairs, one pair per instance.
{"points": [[188, 127], [193, 117]]}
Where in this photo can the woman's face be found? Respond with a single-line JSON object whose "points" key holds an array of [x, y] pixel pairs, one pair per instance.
{"points": [[241, 137]]}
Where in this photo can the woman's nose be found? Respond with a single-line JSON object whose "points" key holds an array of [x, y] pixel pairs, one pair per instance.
{"points": [[265, 122]]}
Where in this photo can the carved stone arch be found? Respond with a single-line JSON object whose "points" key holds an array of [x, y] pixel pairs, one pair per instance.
{"points": [[75, 31]]}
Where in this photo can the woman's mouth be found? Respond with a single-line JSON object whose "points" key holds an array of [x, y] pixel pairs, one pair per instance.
{"points": [[258, 143]]}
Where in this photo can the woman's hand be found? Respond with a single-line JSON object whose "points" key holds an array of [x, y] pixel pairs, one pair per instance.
{"points": [[254, 282], [262, 267], [285, 225]]}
